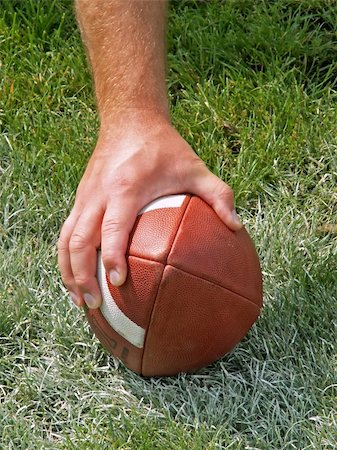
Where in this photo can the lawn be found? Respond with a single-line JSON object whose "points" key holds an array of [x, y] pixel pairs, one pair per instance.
{"points": [[253, 88]]}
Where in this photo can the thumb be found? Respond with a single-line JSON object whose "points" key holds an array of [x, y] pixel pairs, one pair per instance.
{"points": [[117, 224], [219, 196]]}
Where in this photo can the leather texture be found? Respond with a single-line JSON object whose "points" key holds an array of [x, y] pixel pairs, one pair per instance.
{"points": [[205, 247], [193, 285], [197, 322], [135, 298], [119, 347], [154, 232]]}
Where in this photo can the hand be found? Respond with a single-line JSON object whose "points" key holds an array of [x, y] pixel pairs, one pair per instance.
{"points": [[138, 158]]}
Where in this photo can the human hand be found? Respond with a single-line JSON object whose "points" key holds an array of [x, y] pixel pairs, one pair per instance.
{"points": [[139, 157]]}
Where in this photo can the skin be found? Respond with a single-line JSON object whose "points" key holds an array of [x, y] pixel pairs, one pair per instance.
{"points": [[139, 156]]}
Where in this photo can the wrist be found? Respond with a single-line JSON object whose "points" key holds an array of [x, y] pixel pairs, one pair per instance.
{"points": [[134, 119]]}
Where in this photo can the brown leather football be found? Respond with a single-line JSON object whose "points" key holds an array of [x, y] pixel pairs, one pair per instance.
{"points": [[194, 289]]}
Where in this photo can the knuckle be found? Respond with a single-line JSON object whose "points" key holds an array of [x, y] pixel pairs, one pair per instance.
{"points": [[62, 244], [78, 242], [225, 192], [63, 240], [191, 170], [111, 225], [110, 259], [123, 183], [67, 280], [82, 280]]}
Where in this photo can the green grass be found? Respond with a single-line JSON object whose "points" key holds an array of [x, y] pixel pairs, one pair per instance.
{"points": [[253, 89]]}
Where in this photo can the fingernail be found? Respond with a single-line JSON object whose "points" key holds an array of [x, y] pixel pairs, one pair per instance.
{"points": [[90, 301], [74, 298], [115, 277], [236, 218]]}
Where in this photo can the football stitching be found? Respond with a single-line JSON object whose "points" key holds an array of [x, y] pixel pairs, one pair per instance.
{"points": [[188, 197], [215, 284]]}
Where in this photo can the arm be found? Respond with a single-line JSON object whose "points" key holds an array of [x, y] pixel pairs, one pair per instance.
{"points": [[125, 41], [138, 156]]}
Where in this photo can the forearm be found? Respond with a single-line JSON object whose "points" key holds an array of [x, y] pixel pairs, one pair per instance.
{"points": [[125, 41]]}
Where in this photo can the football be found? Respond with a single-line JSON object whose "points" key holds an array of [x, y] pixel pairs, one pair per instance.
{"points": [[193, 290]]}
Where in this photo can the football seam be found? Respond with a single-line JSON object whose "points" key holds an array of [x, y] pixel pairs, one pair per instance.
{"points": [[260, 301], [258, 305], [160, 281], [149, 258], [244, 300], [175, 237], [213, 283]]}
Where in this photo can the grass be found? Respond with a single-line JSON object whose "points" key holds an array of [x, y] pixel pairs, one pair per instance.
{"points": [[253, 89]]}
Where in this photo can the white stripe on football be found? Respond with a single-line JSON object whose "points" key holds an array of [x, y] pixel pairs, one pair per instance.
{"points": [[121, 323], [116, 318], [169, 201]]}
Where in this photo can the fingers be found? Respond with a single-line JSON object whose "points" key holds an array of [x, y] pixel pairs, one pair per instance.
{"points": [[116, 227], [77, 255], [219, 196], [80, 237], [63, 256]]}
